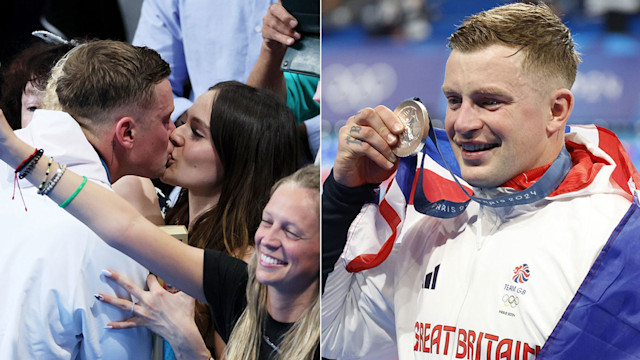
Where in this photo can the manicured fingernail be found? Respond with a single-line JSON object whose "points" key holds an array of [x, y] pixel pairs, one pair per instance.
{"points": [[389, 164], [297, 35], [108, 327], [289, 41], [397, 126], [391, 138], [393, 157], [293, 23], [98, 296], [106, 273]]}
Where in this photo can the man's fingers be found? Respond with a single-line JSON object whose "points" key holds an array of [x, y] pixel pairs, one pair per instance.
{"points": [[390, 120], [382, 120], [363, 141]]}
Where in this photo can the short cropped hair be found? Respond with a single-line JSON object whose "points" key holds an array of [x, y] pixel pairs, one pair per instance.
{"points": [[100, 76], [547, 43]]}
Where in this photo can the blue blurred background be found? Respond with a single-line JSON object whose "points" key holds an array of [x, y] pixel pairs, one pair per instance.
{"points": [[384, 51]]}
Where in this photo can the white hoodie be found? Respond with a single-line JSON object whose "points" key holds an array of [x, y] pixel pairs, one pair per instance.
{"points": [[490, 283], [50, 263]]}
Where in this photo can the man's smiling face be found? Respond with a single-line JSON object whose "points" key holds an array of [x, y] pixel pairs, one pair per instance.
{"points": [[497, 115]]}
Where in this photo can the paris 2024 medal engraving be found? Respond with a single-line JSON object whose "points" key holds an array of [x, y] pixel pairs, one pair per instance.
{"points": [[416, 127]]}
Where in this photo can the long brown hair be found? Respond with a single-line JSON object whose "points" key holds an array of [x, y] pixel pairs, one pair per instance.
{"points": [[254, 134]]}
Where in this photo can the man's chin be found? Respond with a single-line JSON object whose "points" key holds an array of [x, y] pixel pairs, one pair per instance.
{"points": [[481, 179], [158, 174]]}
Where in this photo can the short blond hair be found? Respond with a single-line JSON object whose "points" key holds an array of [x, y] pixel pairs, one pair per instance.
{"points": [[546, 42], [97, 77]]}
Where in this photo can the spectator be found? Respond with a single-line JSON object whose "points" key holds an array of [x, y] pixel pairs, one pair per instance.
{"points": [[278, 32], [204, 42], [25, 80]]}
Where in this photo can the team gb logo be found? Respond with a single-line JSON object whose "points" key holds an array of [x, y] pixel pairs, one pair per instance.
{"points": [[521, 274]]}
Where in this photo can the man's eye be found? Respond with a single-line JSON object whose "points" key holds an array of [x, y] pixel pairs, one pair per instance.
{"points": [[454, 102], [32, 108]]}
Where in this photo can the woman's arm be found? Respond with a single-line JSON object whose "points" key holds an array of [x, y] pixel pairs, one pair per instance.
{"points": [[114, 220]]}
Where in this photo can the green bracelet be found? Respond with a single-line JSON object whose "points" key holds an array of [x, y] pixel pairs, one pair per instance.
{"points": [[75, 193]]}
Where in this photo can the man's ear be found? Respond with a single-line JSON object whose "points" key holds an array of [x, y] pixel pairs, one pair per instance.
{"points": [[561, 105], [125, 132]]}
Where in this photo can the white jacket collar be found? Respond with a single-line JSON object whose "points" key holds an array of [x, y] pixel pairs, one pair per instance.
{"points": [[61, 137]]}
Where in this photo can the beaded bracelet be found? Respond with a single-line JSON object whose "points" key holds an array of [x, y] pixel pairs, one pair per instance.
{"points": [[54, 180], [75, 193], [46, 176], [31, 163]]}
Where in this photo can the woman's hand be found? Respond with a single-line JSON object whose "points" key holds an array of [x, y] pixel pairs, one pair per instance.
{"points": [[168, 315]]}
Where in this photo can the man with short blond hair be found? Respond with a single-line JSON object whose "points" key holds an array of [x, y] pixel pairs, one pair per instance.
{"points": [[519, 257], [113, 104]]}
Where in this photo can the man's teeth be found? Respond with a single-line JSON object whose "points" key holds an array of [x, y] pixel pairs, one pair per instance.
{"points": [[270, 260], [478, 147]]}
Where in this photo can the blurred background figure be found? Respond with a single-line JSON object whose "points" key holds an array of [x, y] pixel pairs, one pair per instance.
{"points": [[24, 81], [204, 42], [102, 19], [405, 43]]}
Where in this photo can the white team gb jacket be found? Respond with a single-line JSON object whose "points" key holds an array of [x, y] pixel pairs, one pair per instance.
{"points": [[50, 263], [490, 283]]}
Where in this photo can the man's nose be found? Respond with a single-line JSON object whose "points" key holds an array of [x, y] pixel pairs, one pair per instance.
{"points": [[171, 127], [467, 119], [176, 138]]}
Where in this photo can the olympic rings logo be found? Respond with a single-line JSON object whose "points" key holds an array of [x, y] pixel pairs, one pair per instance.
{"points": [[510, 300]]}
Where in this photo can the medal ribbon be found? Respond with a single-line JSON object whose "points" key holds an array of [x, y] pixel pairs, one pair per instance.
{"points": [[549, 181]]}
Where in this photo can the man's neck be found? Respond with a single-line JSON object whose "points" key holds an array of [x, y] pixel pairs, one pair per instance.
{"points": [[105, 152]]}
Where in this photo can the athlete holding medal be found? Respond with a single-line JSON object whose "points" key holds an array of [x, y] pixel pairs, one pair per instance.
{"points": [[518, 258]]}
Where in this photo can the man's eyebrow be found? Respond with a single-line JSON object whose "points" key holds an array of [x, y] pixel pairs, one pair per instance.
{"points": [[481, 91], [490, 91], [448, 90]]}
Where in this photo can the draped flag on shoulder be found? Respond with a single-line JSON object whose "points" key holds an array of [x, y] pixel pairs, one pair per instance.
{"points": [[425, 185], [603, 319]]}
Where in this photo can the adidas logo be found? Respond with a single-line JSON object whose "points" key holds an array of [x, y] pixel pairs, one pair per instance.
{"points": [[431, 278]]}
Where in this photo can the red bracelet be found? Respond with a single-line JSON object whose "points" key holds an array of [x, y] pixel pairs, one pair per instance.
{"points": [[25, 161]]}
